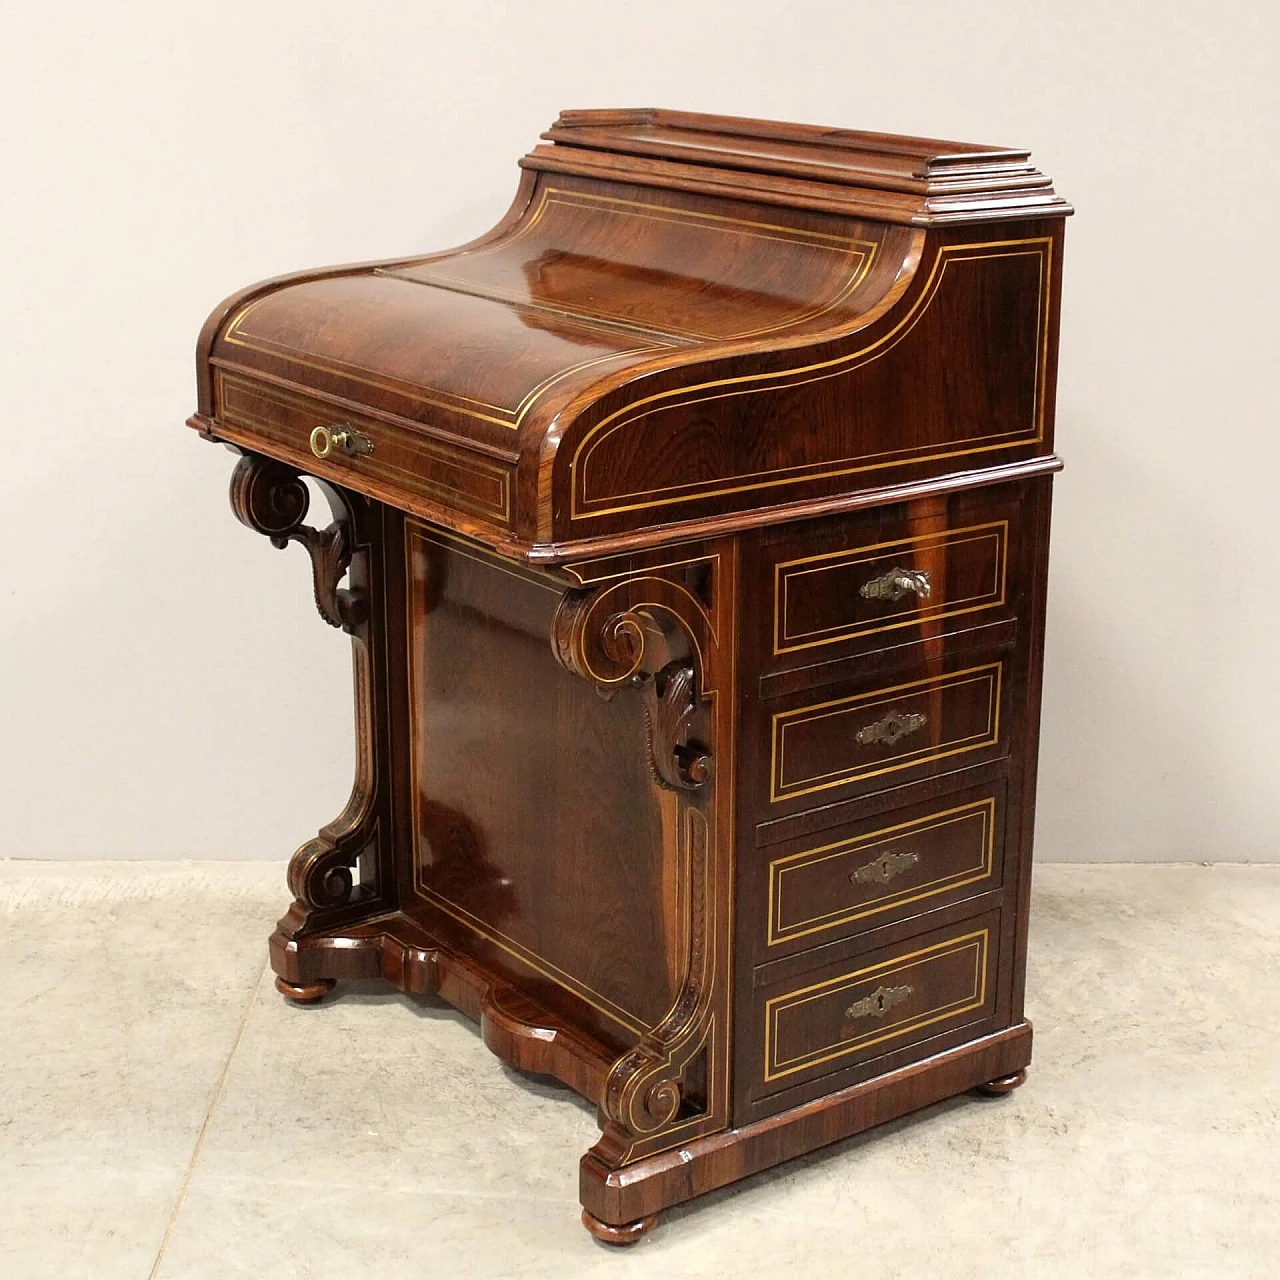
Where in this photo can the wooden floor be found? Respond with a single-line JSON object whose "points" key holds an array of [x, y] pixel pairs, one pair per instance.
{"points": [[163, 1112]]}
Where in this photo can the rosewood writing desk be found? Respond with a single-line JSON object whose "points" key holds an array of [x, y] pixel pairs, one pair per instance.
{"points": [[691, 529]]}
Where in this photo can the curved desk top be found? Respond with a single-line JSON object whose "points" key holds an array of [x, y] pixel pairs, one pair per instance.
{"points": [[682, 319]]}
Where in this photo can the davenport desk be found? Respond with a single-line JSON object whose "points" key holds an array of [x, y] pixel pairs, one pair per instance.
{"points": [[690, 528]]}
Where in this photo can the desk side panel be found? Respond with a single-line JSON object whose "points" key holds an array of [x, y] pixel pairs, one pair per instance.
{"points": [[538, 841], [958, 372]]}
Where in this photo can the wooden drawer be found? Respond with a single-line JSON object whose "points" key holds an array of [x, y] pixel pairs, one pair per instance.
{"points": [[848, 738], [403, 461], [849, 1013], [882, 869], [888, 577]]}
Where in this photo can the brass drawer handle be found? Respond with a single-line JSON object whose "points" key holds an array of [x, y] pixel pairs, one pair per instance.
{"points": [[343, 437], [882, 869], [892, 728], [895, 584], [879, 1002]]}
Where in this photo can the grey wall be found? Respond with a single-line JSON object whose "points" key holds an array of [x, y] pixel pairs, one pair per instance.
{"points": [[167, 690]]}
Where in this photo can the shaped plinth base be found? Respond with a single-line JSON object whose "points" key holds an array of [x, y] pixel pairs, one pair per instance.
{"points": [[304, 993], [516, 1028], [1005, 1084], [622, 1203], [638, 1191], [627, 1233]]}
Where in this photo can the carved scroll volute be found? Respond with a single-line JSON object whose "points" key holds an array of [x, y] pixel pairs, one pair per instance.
{"points": [[623, 634], [603, 636], [271, 498], [608, 649], [643, 1093]]}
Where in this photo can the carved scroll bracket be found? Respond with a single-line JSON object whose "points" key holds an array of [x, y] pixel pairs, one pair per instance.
{"points": [[340, 867], [670, 700], [643, 1092], [272, 499], [655, 631], [603, 635]]}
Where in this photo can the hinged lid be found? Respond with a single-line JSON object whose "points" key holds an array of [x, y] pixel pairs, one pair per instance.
{"points": [[684, 322]]}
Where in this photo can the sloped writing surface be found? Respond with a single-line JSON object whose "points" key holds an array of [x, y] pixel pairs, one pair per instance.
{"points": [[698, 270], [477, 365]]}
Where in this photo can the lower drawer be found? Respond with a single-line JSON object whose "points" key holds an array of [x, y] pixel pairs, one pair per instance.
{"points": [[860, 736], [881, 869], [846, 1015]]}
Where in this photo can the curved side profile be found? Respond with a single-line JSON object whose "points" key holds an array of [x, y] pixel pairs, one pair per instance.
{"points": [[619, 350]]}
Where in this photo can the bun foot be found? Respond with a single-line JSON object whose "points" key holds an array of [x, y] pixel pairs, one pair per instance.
{"points": [[627, 1233], [307, 993], [1005, 1084]]}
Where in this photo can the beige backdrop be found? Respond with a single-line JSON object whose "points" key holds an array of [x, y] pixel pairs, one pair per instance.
{"points": [[167, 689]]}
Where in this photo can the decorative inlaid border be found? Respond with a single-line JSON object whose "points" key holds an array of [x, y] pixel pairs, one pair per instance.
{"points": [[780, 933], [416, 531], [948, 608], [603, 632], [991, 673], [581, 501], [501, 415], [978, 942], [861, 254], [492, 497], [863, 251]]}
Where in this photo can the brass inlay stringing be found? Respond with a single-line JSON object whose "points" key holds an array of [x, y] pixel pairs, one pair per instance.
{"points": [[782, 929], [787, 572], [583, 574], [859, 253], [474, 467], [748, 384], [895, 584], [883, 869], [453, 401], [992, 674], [975, 997], [879, 1002], [415, 531], [889, 730]]}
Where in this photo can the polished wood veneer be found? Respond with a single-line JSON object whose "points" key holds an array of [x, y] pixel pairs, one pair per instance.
{"points": [[842, 1016], [878, 869], [690, 528]]}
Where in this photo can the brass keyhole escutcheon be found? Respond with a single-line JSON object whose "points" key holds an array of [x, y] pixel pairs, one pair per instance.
{"points": [[892, 728], [341, 438]]}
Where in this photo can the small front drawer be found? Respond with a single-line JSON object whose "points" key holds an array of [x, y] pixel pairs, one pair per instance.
{"points": [[843, 1016], [885, 868], [884, 578], [862, 740], [400, 463]]}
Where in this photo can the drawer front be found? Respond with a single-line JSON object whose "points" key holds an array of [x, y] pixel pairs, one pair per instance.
{"points": [[850, 1013], [888, 577], [888, 734], [838, 596], [401, 459], [883, 869]]}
